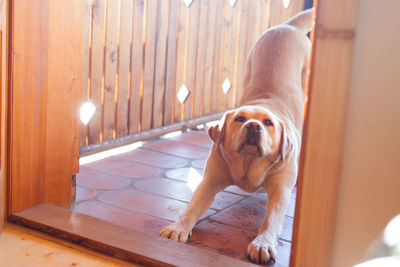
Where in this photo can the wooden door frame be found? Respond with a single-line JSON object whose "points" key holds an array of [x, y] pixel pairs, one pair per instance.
{"points": [[320, 167], [324, 132], [4, 41]]}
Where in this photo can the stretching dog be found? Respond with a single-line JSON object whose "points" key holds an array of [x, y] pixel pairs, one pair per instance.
{"points": [[258, 144]]}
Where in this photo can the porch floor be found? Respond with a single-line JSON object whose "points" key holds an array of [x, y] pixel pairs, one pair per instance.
{"points": [[150, 187]]}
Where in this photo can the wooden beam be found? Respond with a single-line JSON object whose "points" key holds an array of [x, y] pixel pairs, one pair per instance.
{"points": [[118, 241], [3, 107], [324, 130], [45, 92]]}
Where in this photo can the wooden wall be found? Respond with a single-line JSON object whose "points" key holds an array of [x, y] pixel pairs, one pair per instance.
{"points": [[3, 106], [138, 54], [45, 92]]}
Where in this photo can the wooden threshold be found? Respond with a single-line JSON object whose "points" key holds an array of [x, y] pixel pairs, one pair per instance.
{"points": [[117, 241]]}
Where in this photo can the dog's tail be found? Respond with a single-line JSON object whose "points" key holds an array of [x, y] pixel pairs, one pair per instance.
{"points": [[303, 21]]}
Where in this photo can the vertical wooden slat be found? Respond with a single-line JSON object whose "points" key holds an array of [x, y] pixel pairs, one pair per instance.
{"points": [[198, 105], [243, 47], [225, 56], [149, 63], [161, 61], [181, 57], [210, 56], [260, 9], [191, 65], [170, 86], [110, 61], [137, 67], [216, 88], [276, 12], [234, 57], [87, 38], [124, 71], [97, 66]]}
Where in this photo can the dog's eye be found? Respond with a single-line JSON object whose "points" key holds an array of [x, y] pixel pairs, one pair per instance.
{"points": [[268, 122], [240, 119]]}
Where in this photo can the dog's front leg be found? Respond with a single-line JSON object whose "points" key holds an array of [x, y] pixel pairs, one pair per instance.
{"points": [[263, 248], [202, 199]]}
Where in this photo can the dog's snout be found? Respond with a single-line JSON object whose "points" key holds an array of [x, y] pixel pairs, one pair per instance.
{"points": [[253, 127]]}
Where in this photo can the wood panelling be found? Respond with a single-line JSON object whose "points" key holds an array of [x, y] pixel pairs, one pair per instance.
{"points": [[3, 107], [46, 79], [324, 131], [169, 45]]}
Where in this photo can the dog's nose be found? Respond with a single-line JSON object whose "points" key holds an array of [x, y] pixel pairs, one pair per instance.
{"points": [[253, 127]]}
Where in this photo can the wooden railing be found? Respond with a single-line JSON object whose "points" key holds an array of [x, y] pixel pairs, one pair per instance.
{"points": [[140, 54]]}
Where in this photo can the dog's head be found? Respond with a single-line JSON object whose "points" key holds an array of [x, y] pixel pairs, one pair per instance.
{"points": [[253, 131]]}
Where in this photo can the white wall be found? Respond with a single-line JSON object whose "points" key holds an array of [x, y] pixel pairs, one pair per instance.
{"points": [[370, 185]]}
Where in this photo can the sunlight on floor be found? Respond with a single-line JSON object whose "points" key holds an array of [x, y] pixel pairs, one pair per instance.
{"points": [[194, 179], [109, 153]]}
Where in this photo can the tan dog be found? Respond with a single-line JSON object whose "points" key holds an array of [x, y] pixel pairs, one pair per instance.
{"points": [[258, 144]]}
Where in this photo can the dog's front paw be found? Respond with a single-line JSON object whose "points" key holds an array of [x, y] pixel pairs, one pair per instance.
{"points": [[176, 231], [261, 250]]}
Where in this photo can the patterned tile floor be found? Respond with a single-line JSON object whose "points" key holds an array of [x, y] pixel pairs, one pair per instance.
{"points": [[148, 188]]}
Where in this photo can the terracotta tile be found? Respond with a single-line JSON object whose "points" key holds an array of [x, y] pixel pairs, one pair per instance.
{"points": [[226, 238], [233, 241], [194, 138], [250, 220], [182, 174], [131, 169], [166, 187], [126, 218], [200, 163], [239, 216], [83, 193], [149, 204], [90, 180], [155, 159], [223, 200], [112, 183], [254, 202], [104, 163], [178, 149], [103, 182], [87, 173], [181, 191], [258, 202], [235, 189]]}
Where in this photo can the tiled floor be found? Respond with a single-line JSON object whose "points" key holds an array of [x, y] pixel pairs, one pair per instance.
{"points": [[148, 188]]}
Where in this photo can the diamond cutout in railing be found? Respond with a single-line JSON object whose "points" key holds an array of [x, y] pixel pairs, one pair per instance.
{"points": [[182, 93], [188, 2], [286, 3], [226, 86], [232, 2]]}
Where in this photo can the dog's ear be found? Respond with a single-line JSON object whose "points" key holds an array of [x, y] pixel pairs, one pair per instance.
{"points": [[217, 132], [286, 147]]}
